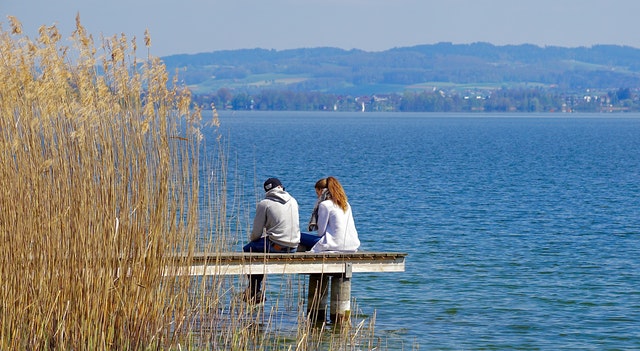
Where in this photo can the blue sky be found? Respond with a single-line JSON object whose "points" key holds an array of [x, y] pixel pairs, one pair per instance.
{"points": [[192, 26]]}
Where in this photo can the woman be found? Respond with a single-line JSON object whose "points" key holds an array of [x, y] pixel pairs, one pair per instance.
{"points": [[336, 228]]}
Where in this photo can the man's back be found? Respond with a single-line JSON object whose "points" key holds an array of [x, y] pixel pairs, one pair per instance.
{"points": [[277, 217]]}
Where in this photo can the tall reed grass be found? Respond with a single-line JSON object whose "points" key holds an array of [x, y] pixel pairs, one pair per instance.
{"points": [[99, 190], [99, 164]]}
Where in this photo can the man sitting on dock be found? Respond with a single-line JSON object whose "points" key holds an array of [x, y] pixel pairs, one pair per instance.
{"points": [[276, 229]]}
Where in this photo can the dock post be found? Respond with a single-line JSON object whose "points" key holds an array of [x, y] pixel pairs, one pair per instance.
{"points": [[317, 297], [341, 296]]}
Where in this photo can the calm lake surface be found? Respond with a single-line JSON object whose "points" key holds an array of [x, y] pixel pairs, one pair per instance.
{"points": [[523, 231]]}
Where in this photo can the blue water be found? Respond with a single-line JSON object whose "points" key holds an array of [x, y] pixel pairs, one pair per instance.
{"points": [[523, 231]]}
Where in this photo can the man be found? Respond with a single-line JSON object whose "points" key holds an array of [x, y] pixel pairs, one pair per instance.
{"points": [[276, 229]]}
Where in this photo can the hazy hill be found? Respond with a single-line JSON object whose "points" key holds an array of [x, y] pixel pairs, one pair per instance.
{"points": [[478, 65]]}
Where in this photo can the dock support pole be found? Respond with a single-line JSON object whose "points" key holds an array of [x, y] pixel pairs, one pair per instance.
{"points": [[317, 297], [341, 297]]}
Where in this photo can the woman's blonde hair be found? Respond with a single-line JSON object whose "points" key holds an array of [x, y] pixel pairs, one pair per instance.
{"points": [[338, 195]]}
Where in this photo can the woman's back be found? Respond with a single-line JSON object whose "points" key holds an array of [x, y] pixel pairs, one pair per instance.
{"points": [[336, 228]]}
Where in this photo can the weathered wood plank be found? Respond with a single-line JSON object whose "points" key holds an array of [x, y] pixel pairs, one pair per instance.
{"points": [[235, 263]]}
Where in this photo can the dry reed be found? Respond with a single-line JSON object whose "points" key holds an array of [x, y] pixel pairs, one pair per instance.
{"points": [[99, 189]]}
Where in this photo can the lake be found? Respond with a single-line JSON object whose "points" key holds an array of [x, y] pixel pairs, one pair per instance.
{"points": [[523, 231]]}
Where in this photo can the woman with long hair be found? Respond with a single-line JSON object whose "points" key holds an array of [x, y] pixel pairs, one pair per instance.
{"points": [[335, 224]]}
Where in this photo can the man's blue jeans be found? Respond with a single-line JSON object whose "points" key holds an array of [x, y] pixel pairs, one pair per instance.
{"points": [[265, 245]]}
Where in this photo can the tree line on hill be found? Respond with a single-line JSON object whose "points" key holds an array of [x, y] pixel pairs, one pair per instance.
{"points": [[501, 100]]}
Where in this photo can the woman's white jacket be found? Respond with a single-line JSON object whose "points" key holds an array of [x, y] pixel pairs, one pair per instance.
{"points": [[337, 229]]}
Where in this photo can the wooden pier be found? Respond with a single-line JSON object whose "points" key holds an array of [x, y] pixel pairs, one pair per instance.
{"points": [[333, 269]]}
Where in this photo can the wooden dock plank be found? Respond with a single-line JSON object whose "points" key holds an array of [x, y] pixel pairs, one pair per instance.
{"points": [[235, 263]]}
